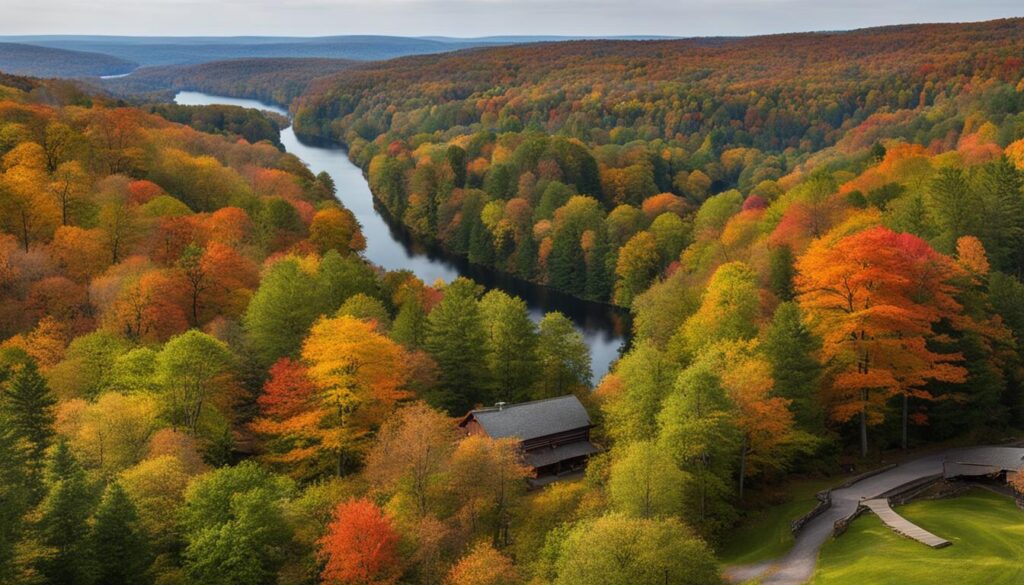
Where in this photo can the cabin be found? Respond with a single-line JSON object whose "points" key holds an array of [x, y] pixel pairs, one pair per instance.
{"points": [[553, 433]]}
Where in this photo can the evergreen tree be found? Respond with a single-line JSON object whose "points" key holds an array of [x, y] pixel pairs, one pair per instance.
{"points": [[1002, 226], [456, 158], [564, 357], [567, 265], [410, 324], [28, 405], [16, 492], [599, 272], [481, 243], [63, 520], [457, 341], [789, 347], [118, 545], [526, 257], [511, 346], [780, 272]]}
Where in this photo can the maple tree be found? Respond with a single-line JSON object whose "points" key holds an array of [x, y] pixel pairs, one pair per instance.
{"points": [[360, 546], [873, 299]]}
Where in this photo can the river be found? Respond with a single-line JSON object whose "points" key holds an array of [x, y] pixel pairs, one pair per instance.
{"points": [[389, 245]]}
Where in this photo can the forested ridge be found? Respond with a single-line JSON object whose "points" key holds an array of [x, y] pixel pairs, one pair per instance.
{"points": [[820, 237], [479, 149]]}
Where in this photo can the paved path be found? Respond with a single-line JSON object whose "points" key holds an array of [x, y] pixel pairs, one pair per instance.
{"points": [[900, 525], [797, 566]]}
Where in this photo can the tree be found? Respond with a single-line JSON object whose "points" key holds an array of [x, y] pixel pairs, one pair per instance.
{"points": [[483, 566], [697, 427], [234, 525], [193, 368], [564, 357], [873, 299], [191, 266], [117, 542], [289, 415], [411, 454], [367, 308], [410, 324], [457, 340], [112, 433], [644, 482], [487, 476], [28, 406], [729, 308], [359, 374], [281, 311], [336, 229], [16, 492], [952, 206], [791, 349], [63, 520], [639, 262], [781, 272], [618, 550], [511, 346], [68, 188], [360, 546], [647, 376]]}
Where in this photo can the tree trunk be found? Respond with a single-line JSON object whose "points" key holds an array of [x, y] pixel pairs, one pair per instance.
{"points": [[743, 465], [905, 415], [864, 427]]}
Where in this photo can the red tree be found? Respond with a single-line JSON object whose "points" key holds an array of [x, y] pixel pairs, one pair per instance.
{"points": [[360, 547]]}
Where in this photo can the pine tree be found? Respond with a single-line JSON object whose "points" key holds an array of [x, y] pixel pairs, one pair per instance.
{"points": [[15, 492], [28, 404], [410, 324], [63, 520], [781, 271], [457, 341], [118, 546], [511, 346], [789, 347]]}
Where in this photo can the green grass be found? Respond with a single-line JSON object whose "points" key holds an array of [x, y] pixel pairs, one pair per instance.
{"points": [[986, 529], [765, 534]]}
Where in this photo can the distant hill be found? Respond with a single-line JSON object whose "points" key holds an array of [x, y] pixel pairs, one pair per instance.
{"points": [[273, 81], [23, 59], [156, 51]]}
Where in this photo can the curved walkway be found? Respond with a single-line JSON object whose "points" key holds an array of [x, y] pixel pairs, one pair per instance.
{"points": [[797, 566], [900, 525]]}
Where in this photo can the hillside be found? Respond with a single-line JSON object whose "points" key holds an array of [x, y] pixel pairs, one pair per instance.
{"points": [[623, 121], [153, 51], [272, 81], [22, 59]]}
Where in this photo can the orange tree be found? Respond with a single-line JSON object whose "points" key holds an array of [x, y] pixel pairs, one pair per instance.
{"points": [[874, 298]]}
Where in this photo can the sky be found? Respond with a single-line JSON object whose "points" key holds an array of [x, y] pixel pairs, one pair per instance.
{"points": [[470, 18]]}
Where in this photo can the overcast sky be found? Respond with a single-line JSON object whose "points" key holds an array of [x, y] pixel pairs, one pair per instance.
{"points": [[466, 18]]}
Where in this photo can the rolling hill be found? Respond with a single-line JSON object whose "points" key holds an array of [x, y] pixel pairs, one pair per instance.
{"points": [[24, 59]]}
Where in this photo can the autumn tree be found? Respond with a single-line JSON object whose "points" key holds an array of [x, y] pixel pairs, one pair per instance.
{"points": [[411, 454], [487, 476], [873, 299], [644, 481], [639, 262], [359, 374], [360, 546], [729, 309], [483, 566]]}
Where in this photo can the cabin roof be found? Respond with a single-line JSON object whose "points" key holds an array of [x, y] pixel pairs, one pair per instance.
{"points": [[530, 420]]}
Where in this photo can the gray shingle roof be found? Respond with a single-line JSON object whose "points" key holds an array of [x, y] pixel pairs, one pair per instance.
{"points": [[530, 420], [545, 456]]}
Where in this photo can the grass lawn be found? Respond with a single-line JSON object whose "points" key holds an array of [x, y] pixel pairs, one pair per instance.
{"points": [[765, 533], [987, 532]]}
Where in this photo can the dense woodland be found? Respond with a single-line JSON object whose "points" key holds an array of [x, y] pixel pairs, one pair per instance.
{"points": [[25, 59], [821, 238]]}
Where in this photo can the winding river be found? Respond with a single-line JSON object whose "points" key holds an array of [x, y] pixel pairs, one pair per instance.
{"points": [[389, 245]]}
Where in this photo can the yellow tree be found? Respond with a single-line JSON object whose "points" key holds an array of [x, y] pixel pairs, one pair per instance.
{"points": [[359, 374]]}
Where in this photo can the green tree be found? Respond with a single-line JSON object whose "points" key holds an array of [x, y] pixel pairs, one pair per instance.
{"points": [[117, 542], [564, 357], [193, 368], [410, 324], [781, 272], [697, 427], [281, 311], [63, 526], [644, 482], [790, 348], [456, 158], [953, 206], [28, 405], [457, 340], [639, 262], [362, 306], [619, 550], [511, 346], [16, 492], [729, 309], [647, 376], [234, 525]]}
